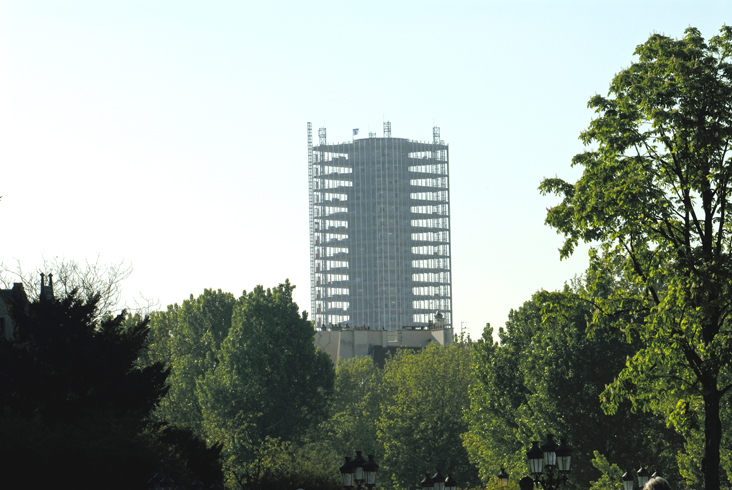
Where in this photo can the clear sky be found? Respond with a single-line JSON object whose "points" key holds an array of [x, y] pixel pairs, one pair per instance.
{"points": [[172, 134]]}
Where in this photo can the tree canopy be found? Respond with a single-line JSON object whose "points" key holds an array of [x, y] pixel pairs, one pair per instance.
{"points": [[244, 372], [654, 202], [424, 396], [76, 405], [545, 376]]}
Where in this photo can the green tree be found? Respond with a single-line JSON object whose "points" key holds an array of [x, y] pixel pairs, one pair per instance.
{"points": [[270, 381], [424, 395], [654, 199], [546, 376], [354, 410], [76, 405], [187, 338]]}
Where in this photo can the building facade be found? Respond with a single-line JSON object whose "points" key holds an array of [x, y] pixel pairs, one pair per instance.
{"points": [[379, 231], [341, 343]]}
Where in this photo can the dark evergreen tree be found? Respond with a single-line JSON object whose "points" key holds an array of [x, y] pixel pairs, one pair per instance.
{"points": [[75, 406]]}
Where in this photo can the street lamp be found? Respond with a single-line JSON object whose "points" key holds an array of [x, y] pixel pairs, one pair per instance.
{"points": [[547, 458], [427, 482], [357, 464], [439, 481], [502, 477], [628, 480], [359, 471], [450, 482], [369, 469], [160, 482], [643, 477], [347, 473]]}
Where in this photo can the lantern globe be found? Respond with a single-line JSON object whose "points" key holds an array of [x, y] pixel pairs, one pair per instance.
{"points": [[450, 482], [550, 447], [536, 459], [627, 480], [502, 477], [526, 483], [427, 481], [166, 483], [643, 476], [369, 470], [357, 464], [347, 472], [439, 480], [564, 456]]}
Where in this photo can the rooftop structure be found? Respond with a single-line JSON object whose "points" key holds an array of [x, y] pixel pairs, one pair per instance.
{"points": [[379, 232]]}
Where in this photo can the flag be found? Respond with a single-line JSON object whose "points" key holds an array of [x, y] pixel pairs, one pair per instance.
{"points": [[355, 132]]}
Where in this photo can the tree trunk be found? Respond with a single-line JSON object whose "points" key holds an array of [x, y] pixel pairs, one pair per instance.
{"points": [[712, 439]]}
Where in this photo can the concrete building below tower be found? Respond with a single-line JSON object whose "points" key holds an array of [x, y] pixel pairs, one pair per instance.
{"points": [[346, 343]]}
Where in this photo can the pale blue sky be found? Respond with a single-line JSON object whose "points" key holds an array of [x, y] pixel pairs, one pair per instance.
{"points": [[173, 133]]}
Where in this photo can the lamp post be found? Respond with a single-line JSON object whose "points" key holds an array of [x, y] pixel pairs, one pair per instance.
{"points": [[359, 471], [357, 464], [369, 469], [439, 481], [547, 460], [427, 481], [643, 477], [160, 482], [450, 482], [502, 477], [347, 473]]}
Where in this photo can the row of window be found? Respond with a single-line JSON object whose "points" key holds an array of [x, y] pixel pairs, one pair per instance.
{"points": [[432, 236], [340, 305], [431, 223], [336, 264], [438, 182], [435, 168], [431, 264], [431, 277], [331, 251], [431, 304], [327, 169], [440, 250], [327, 197], [429, 196], [431, 291], [442, 209], [331, 223], [329, 237]]}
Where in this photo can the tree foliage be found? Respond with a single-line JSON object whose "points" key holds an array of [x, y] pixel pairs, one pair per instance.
{"points": [[354, 410], [424, 395], [187, 338], [654, 200], [545, 376], [270, 380], [75, 405], [244, 372]]}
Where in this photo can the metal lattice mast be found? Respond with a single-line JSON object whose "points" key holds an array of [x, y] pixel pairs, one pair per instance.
{"points": [[311, 211]]}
